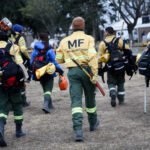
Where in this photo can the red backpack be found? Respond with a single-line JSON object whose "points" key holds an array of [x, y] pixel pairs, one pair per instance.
{"points": [[39, 61], [13, 77]]}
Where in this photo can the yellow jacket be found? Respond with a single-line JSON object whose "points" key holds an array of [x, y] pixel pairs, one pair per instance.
{"points": [[13, 51], [103, 50], [80, 47], [22, 46]]}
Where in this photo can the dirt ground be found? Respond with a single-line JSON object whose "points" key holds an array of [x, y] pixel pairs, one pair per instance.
{"points": [[122, 128]]}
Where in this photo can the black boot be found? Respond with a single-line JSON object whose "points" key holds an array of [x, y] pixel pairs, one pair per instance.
{"points": [[2, 138], [113, 101], [78, 136], [51, 106], [45, 107], [93, 127], [26, 104], [19, 132]]}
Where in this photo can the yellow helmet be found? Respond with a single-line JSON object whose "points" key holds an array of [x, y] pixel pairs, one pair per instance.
{"points": [[50, 69], [138, 57], [105, 57]]}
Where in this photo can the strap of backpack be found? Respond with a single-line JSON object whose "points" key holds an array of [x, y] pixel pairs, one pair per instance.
{"points": [[8, 46], [116, 42], [17, 39], [108, 44]]}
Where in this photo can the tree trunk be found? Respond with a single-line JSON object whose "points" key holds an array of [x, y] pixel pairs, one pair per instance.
{"points": [[130, 29], [93, 29]]}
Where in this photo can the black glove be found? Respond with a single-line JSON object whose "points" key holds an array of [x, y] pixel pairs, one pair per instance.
{"points": [[29, 75], [60, 71], [101, 73]]}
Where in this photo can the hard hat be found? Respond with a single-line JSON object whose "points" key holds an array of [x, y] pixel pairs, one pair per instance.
{"points": [[138, 57], [105, 57], [50, 68], [5, 24], [78, 23]]}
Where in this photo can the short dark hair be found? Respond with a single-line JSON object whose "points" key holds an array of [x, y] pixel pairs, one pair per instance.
{"points": [[44, 37], [3, 36], [110, 30]]}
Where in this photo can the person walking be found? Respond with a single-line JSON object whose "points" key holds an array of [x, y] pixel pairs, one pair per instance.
{"points": [[11, 81], [114, 79], [20, 41], [81, 48], [44, 50]]}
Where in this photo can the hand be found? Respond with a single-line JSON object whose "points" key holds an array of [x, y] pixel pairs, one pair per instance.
{"points": [[94, 79], [60, 71], [29, 75]]}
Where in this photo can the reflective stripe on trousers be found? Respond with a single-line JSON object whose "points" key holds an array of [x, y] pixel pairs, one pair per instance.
{"points": [[121, 93], [18, 117], [3, 115], [91, 110], [77, 110], [49, 93]]}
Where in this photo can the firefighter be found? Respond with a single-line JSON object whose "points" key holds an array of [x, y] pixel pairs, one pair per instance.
{"points": [[44, 51], [81, 47], [7, 97], [20, 41], [113, 80]]}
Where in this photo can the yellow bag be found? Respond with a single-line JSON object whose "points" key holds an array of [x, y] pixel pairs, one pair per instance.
{"points": [[49, 68], [105, 57]]}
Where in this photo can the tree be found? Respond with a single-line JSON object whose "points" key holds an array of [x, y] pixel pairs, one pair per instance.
{"points": [[43, 14], [130, 11], [90, 10], [10, 9]]}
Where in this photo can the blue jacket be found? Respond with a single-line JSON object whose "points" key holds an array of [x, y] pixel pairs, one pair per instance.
{"points": [[50, 54]]}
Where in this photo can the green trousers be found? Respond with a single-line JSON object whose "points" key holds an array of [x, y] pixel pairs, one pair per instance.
{"points": [[79, 82], [23, 95], [47, 85], [8, 100], [113, 81]]}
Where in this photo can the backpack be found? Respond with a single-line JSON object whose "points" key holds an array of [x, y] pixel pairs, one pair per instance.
{"points": [[144, 65], [130, 65], [116, 61], [26, 62], [13, 77], [39, 61], [17, 39]]}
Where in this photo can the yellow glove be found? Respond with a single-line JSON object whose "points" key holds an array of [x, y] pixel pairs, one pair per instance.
{"points": [[94, 79], [1, 73]]}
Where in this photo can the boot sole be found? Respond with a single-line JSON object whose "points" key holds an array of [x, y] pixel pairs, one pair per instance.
{"points": [[46, 111], [79, 140], [19, 136], [2, 141]]}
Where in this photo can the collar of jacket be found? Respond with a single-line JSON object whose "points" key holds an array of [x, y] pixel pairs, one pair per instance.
{"points": [[75, 30], [110, 36]]}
